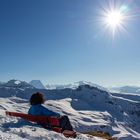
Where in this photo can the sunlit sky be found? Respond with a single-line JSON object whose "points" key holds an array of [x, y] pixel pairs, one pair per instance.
{"points": [[65, 41]]}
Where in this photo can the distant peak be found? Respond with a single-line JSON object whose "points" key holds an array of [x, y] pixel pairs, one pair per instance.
{"points": [[17, 83], [37, 84]]}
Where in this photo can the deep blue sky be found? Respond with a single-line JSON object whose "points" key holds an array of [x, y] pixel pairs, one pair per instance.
{"points": [[60, 41]]}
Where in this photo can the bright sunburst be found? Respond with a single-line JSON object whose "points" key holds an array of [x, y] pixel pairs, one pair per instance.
{"points": [[114, 18]]}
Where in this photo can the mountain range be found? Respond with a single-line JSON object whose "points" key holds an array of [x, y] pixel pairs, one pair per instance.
{"points": [[89, 107]]}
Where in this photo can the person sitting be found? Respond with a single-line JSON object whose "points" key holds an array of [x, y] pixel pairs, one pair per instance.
{"points": [[37, 109]]}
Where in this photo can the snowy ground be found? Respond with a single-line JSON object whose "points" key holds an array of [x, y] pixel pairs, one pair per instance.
{"points": [[16, 129], [89, 109], [12, 128]]}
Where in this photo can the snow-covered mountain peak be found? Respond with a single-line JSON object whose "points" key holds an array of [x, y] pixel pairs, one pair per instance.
{"points": [[76, 85], [83, 83], [88, 107], [89, 84], [16, 84], [37, 84]]}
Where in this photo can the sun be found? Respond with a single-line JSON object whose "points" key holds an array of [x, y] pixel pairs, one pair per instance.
{"points": [[114, 19]]}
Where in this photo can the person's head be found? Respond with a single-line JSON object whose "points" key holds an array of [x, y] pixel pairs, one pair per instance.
{"points": [[37, 98]]}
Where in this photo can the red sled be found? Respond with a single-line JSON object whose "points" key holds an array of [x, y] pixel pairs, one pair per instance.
{"points": [[51, 123]]}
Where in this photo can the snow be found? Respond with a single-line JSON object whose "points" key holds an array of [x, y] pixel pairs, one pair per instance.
{"points": [[17, 82], [125, 89], [37, 84], [12, 128], [88, 108], [75, 85]]}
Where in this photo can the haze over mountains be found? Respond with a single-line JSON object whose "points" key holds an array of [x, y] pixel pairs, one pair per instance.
{"points": [[39, 85], [126, 89]]}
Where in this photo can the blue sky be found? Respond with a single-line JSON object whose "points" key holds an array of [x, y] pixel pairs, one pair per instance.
{"points": [[60, 41]]}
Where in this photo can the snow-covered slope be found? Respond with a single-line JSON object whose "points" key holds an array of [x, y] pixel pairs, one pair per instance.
{"points": [[37, 84], [89, 109], [16, 129]]}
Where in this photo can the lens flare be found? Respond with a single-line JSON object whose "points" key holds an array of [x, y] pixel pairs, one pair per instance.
{"points": [[114, 17]]}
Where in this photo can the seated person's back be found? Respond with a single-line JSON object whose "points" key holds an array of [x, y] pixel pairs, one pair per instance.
{"points": [[37, 108], [40, 110]]}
